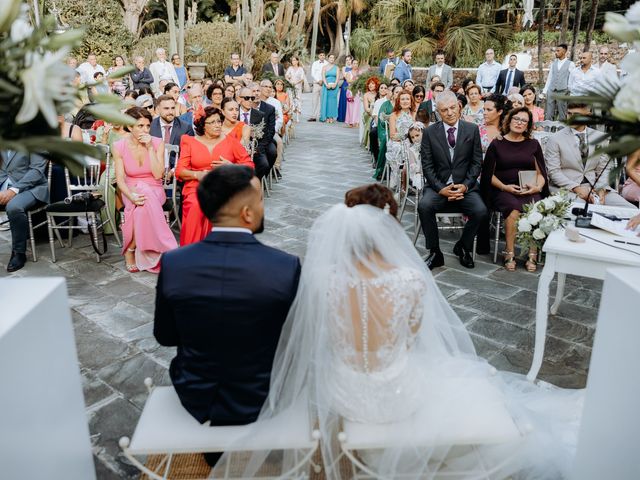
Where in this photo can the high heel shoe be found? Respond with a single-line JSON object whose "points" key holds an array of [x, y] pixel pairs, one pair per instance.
{"points": [[532, 262], [131, 267]]}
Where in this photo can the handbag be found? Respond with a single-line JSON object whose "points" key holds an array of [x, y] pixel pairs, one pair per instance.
{"points": [[85, 199]]}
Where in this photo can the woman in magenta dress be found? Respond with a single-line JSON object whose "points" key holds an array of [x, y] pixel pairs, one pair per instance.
{"points": [[139, 164], [200, 154], [516, 151]]}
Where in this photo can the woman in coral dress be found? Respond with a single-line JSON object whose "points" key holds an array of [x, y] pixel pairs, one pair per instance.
{"points": [[198, 156], [139, 164]]}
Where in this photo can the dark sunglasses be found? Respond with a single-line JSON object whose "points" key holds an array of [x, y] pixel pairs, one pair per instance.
{"points": [[249, 98], [148, 107]]}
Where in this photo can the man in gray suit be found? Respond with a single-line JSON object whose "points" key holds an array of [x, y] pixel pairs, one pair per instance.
{"points": [[442, 70], [451, 158], [570, 165], [558, 84], [23, 184]]}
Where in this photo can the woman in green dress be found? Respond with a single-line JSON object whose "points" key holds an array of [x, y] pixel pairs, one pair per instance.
{"points": [[383, 117], [369, 98]]}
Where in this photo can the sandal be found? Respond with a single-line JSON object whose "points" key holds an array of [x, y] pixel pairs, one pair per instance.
{"points": [[131, 267], [509, 261], [532, 262]]}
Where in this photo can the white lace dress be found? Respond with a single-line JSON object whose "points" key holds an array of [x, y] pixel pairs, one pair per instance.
{"points": [[397, 148], [372, 378]]}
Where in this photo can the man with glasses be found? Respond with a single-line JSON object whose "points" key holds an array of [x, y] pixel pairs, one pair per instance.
{"points": [[269, 113], [571, 165], [488, 72], [146, 102], [267, 95], [606, 68], [582, 79], [255, 118], [235, 74]]}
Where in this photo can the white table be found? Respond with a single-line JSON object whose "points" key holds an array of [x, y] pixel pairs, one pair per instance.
{"points": [[588, 259]]}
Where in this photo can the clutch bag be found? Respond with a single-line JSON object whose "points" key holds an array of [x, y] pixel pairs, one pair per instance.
{"points": [[527, 177]]}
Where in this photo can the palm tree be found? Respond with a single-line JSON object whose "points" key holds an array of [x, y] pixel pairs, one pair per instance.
{"points": [[332, 17], [461, 28]]}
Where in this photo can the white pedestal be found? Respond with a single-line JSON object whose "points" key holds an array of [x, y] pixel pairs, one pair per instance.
{"points": [[609, 443], [43, 424]]}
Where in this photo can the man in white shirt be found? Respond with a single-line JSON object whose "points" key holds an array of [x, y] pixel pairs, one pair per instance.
{"points": [[162, 70], [316, 78], [607, 69], [581, 80], [88, 69], [558, 84], [488, 72]]}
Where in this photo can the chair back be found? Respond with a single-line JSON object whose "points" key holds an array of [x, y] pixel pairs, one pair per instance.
{"points": [[542, 138], [89, 179], [89, 136], [169, 151]]}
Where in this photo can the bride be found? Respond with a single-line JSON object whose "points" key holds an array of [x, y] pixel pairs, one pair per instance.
{"points": [[371, 339]]}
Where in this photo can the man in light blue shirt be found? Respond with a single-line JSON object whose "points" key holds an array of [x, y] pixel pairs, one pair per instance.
{"points": [[488, 72], [403, 70]]}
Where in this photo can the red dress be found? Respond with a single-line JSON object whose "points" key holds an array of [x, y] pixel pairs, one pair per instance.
{"points": [[194, 155]]}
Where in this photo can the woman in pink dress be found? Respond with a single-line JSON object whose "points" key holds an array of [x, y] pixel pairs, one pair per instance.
{"points": [[139, 164], [352, 118]]}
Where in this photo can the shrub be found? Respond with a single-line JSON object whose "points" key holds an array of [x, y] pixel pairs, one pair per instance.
{"points": [[106, 34], [219, 40]]}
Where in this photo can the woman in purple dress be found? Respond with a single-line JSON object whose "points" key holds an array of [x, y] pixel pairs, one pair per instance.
{"points": [[516, 151]]}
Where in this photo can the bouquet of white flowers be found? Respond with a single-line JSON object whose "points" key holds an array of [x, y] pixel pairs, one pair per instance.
{"points": [[541, 218]]}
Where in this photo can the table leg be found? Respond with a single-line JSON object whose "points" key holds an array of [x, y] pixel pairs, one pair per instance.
{"points": [[542, 305], [559, 293]]}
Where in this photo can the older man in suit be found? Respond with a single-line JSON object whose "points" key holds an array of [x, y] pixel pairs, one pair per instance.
{"points": [[509, 77], [451, 160], [223, 302], [442, 70], [568, 155], [274, 66], [270, 120], [23, 185], [255, 119], [167, 126]]}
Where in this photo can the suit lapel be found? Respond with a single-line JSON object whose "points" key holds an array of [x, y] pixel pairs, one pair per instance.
{"points": [[459, 141], [440, 135]]}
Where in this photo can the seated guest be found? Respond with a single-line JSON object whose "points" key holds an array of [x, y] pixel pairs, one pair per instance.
{"points": [[261, 95], [418, 96], [231, 125], [451, 158], [274, 66], [147, 102], [229, 91], [139, 165], [223, 303], [194, 102], [516, 151], [215, 94], [571, 166], [173, 90], [631, 188], [167, 126], [516, 100], [23, 185], [207, 150], [259, 139], [429, 105], [235, 74], [528, 93], [473, 112]]}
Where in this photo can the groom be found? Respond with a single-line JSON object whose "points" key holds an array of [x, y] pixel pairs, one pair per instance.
{"points": [[223, 302], [451, 160]]}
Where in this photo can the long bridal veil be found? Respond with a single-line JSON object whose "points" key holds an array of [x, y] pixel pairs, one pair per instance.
{"points": [[371, 339]]}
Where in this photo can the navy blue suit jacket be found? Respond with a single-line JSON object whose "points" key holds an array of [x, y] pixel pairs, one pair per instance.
{"points": [[180, 127], [223, 302]]}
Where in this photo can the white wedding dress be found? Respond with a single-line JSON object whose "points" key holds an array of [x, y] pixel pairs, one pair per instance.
{"points": [[371, 339]]}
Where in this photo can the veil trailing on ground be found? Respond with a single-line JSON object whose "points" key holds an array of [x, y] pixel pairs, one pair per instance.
{"points": [[371, 339]]}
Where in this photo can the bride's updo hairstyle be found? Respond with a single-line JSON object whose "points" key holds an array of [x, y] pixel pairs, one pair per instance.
{"points": [[375, 195]]}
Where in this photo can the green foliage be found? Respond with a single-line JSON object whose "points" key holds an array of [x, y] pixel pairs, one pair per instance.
{"points": [[361, 44], [106, 34], [530, 37], [218, 39]]}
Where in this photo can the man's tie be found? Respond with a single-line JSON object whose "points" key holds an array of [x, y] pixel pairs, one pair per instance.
{"points": [[245, 118], [167, 134], [584, 148], [451, 137], [507, 85]]}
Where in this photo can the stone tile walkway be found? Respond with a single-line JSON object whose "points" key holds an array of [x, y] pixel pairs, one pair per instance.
{"points": [[113, 310]]}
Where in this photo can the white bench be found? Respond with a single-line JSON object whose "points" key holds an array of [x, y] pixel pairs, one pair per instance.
{"points": [[166, 428], [469, 425]]}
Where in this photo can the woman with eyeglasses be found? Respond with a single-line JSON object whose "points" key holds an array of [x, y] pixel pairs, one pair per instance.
{"points": [[200, 154], [139, 164], [181, 71], [215, 95], [506, 157]]}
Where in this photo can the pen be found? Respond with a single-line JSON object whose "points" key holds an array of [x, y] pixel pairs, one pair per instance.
{"points": [[627, 243]]}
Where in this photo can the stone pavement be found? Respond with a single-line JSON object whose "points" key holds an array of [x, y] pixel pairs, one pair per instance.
{"points": [[113, 310]]}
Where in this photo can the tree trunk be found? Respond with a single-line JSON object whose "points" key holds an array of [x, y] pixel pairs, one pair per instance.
{"points": [[564, 27], [576, 28], [592, 24], [541, 15], [338, 45], [181, 29], [132, 14], [314, 35], [173, 44]]}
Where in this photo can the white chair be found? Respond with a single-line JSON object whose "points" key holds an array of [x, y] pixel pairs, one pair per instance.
{"points": [[88, 181], [166, 428], [170, 185], [467, 427]]}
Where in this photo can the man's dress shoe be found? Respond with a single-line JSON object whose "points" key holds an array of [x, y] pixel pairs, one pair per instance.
{"points": [[466, 259], [17, 261], [435, 259]]}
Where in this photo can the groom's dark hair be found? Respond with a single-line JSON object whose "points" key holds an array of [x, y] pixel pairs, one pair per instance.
{"points": [[221, 185]]}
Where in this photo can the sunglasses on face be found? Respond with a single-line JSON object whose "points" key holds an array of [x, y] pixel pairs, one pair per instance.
{"points": [[252, 98], [148, 107]]}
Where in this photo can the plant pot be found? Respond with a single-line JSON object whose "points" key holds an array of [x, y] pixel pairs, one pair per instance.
{"points": [[196, 70]]}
